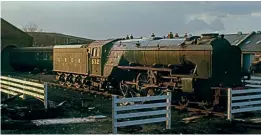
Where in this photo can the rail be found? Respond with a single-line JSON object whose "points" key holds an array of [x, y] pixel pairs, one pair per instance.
{"points": [[14, 86], [163, 101], [239, 101]]}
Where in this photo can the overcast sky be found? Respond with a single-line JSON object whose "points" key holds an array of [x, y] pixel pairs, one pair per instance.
{"points": [[102, 20]]}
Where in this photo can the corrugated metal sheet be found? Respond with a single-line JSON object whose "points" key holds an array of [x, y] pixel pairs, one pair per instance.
{"points": [[234, 38]]}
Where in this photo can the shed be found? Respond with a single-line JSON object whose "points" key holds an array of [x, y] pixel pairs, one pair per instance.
{"points": [[11, 37], [250, 45]]}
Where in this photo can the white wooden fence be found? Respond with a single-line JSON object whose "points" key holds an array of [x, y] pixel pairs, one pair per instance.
{"points": [[14, 86], [243, 101], [116, 109]]}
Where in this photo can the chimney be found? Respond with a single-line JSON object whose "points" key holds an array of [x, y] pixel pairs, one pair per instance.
{"points": [[131, 37], [176, 35], [170, 35], [152, 35], [186, 35]]}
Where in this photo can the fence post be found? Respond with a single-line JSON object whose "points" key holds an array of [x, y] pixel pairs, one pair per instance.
{"points": [[229, 102], [45, 95], [168, 108], [114, 114], [24, 96]]}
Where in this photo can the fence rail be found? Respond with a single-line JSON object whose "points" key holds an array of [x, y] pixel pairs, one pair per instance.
{"points": [[116, 109], [254, 82], [16, 86], [243, 101]]}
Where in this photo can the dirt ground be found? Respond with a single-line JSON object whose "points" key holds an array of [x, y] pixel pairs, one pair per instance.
{"points": [[72, 109]]}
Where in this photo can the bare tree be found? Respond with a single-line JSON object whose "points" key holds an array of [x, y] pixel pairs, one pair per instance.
{"points": [[31, 27]]}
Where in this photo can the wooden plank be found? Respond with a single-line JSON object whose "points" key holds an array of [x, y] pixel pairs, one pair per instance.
{"points": [[168, 109], [23, 86], [246, 97], [140, 122], [253, 81], [248, 109], [253, 86], [137, 99], [62, 121], [140, 114], [229, 101], [22, 81], [255, 78], [245, 91], [192, 118], [23, 91], [9, 92], [246, 103], [142, 106], [114, 114]]}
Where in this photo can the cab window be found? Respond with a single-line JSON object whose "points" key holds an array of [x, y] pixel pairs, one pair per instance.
{"points": [[95, 52]]}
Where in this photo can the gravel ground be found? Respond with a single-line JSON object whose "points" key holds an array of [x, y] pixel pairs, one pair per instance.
{"points": [[208, 125]]}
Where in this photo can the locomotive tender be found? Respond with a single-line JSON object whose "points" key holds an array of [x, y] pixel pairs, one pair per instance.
{"points": [[195, 68]]}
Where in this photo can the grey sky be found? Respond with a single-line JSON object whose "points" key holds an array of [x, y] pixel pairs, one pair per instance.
{"points": [[101, 20]]}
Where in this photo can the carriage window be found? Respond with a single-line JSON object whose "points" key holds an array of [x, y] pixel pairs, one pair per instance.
{"points": [[46, 56], [51, 57]]}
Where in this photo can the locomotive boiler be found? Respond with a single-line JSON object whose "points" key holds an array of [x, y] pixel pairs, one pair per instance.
{"points": [[192, 68]]}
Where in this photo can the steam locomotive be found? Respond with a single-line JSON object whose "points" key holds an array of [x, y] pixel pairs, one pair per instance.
{"points": [[195, 68]]}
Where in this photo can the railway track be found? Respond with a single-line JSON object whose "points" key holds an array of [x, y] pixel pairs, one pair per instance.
{"points": [[109, 95]]}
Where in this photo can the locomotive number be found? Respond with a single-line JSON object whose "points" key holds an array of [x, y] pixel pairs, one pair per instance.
{"points": [[95, 61]]}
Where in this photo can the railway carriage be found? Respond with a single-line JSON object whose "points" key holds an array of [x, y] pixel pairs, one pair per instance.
{"points": [[29, 58]]}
